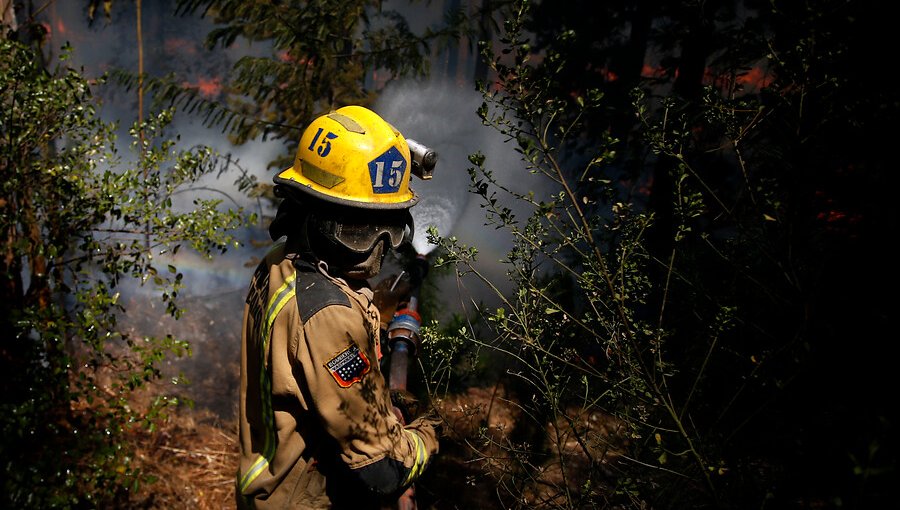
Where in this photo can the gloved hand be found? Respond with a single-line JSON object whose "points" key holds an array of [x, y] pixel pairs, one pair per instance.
{"points": [[406, 403], [430, 420], [386, 300]]}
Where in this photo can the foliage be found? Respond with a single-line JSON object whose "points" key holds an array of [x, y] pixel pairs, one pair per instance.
{"points": [[80, 226], [315, 57], [672, 339]]}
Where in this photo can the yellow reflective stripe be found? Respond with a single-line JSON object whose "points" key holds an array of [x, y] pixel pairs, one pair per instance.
{"points": [[257, 468], [421, 457], [420, 446], [276, 304]]}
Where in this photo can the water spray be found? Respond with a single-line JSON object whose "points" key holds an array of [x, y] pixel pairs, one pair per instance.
{"points": [[432, 111]]}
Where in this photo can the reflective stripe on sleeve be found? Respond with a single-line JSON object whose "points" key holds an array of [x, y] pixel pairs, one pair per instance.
{"points": [[421, 457], [276, 303]]}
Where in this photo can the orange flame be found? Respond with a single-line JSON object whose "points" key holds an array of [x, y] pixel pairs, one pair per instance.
{"points": [[207, 87]]}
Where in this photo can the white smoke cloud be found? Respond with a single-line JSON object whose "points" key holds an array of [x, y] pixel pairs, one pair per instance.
{"points": [[439, 112], [442, 114]]}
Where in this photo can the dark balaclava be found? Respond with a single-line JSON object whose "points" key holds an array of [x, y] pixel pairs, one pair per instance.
{"points": [[304, 223], [345, 262]]}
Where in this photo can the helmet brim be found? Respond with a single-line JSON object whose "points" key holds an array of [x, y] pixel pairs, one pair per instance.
{"points": [[294, 180]]}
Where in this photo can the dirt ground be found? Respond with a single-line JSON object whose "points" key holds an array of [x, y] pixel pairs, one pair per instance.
{"points": [[193, 457], [193, 454]]}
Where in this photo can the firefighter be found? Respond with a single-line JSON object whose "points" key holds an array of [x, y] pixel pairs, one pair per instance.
{"points": [[317, 425]]}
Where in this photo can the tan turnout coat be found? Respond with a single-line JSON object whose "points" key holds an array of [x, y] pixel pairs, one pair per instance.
{"points": [[316, 425]]}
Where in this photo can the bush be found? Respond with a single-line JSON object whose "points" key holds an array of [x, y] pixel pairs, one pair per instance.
{"points": [[78, 225]]}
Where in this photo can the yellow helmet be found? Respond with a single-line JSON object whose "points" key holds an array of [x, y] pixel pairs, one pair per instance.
{"points": [[352, 157]]}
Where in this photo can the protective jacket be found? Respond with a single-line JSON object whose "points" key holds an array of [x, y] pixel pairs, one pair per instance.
{"points": [[316, 423]]}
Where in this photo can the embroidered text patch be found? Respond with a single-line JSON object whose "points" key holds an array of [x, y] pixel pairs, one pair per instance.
{"points": [[349, 366]]}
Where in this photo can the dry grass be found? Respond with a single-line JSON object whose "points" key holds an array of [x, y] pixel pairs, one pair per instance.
{"points": [[488, 464], [193, 457]]}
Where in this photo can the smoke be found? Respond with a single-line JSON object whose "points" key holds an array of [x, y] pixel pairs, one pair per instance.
{"points": [[439, 113], [441, 116]]}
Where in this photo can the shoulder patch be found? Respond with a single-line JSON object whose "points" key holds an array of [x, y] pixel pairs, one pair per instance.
{"points": [[315, 292], [349, 366]]}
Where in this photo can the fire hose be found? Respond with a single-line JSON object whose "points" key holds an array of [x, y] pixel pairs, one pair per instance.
{"points": [[403, 331], [403, 341]]}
